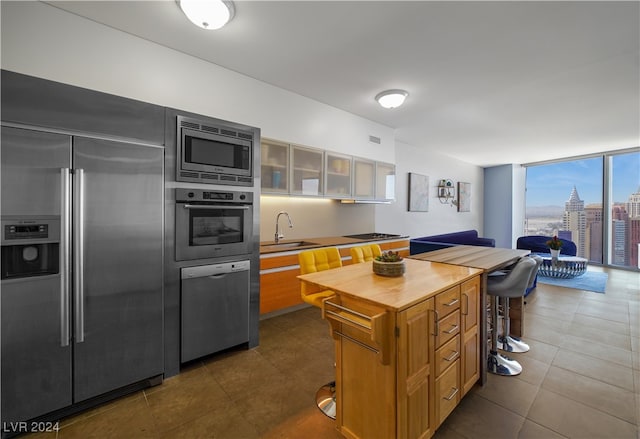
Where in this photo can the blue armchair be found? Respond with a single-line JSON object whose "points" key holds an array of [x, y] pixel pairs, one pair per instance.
{"points": [[538, 244]]}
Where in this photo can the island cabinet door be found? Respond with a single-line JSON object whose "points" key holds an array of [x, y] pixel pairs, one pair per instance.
{"points": [[416, 409], [365, 367], [470, 355]]}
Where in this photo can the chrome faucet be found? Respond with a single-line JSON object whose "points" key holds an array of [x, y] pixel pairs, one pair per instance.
{"points": [[279, 235]]}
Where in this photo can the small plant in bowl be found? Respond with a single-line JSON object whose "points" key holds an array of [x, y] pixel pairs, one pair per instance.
{"points": [[389, 256], [389, 263], [554, 243]]}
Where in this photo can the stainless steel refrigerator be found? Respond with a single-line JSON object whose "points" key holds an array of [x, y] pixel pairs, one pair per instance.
{"points": [[81, 290]]}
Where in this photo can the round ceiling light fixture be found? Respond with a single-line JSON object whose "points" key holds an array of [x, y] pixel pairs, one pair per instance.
{"points": [[208, 14], [391, 98]]}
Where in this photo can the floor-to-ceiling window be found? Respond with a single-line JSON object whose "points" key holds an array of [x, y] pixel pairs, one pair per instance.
{"points": [[624, 205], [567, 198]]}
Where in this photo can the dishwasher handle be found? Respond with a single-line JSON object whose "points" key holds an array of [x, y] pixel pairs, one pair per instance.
{"points": [[214, 269]]}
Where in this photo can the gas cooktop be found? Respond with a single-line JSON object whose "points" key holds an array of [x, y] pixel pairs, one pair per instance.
{"points": [[371, 236]]}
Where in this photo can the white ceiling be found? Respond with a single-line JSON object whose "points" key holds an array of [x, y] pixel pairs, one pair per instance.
{"points": [[489, 82]]}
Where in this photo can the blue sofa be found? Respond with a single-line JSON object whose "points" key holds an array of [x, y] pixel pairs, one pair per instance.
{"points": [[436, 242], [537, 244]]}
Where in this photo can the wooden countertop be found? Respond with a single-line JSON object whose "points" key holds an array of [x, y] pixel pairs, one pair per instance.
{"points": [[270, 247], [421, 280], [486, 258]]}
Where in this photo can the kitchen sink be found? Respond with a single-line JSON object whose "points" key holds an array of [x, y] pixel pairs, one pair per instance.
{"points": [[284, 245]]}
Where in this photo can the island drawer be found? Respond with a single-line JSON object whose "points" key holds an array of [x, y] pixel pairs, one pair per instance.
{"points": [[448, 301], [447, 355], [447, 392], [365, 325], [447, 328]]}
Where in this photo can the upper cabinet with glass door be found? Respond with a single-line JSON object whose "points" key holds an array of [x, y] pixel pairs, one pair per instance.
{"points": [[274, 167], [338, 175], [301, 170], [307, 171], [364, 174], [385, 181]]}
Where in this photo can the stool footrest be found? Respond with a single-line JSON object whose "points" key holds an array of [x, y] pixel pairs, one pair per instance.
{"points": [[502, 365], [326, 399], [512, 344]]}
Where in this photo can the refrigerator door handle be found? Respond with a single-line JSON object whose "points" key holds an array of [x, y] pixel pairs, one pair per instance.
{"points": [[78, 246], [65, 266]]}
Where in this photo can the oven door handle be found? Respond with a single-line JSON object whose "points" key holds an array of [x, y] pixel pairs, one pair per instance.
{"points": [[201, 206]]}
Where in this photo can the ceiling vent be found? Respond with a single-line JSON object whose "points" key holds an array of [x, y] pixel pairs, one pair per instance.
{"points": [[374, 139]]}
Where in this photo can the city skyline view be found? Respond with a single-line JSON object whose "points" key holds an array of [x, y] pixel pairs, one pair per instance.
{"points": [[551, 185], [566, 199]]}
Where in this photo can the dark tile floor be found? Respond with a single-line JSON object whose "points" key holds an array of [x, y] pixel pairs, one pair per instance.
{"points": [[581, 379]]}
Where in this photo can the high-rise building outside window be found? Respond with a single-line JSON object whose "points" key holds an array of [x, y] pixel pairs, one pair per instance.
{"points": [[566, 198], [625, 207]]}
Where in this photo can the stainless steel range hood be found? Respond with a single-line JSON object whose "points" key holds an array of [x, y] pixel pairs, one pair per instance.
{"points": [[365, 201]]}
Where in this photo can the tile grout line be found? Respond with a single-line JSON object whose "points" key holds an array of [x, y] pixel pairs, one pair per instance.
{"points": [[589, 406]]}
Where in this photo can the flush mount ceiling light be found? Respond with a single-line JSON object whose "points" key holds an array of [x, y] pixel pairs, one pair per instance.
{"points": [[391, 98], [208, 14]]}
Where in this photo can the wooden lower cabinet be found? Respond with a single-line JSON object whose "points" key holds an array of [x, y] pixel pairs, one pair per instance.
{"points": [[470, 334], [279, 285], [448, 354], [415, 374], [405, 385]]}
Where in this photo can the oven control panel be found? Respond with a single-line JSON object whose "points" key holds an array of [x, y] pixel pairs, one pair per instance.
{"points": [[191, 195], [227, 196]]}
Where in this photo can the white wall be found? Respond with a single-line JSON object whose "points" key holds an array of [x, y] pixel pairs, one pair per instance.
{"points": [[46, 42], [441, 218]]}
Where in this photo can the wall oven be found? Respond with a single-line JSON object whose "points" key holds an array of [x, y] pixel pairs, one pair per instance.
{"points": [[213, 153], [212, 224]]}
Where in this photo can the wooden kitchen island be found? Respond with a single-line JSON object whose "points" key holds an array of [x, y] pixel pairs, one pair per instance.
{"points": [[488, 259], [407, 348]]}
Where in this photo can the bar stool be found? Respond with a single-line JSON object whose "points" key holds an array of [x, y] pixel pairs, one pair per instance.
{"points": [[364, 253], [514, 284], [506, 341], [312, 261]]}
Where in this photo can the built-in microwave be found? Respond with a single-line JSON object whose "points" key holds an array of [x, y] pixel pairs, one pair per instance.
{"points": [[213, 153]]}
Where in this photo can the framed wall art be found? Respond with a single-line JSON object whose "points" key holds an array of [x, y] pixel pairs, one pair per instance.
{"points": [[418, 192], [464, 197]]}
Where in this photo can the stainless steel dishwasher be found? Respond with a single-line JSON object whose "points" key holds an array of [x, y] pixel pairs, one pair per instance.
{"points": [[215, 308]]}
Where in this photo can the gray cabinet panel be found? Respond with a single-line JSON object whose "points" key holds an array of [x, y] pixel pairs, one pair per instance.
{"points": [[36, 369], [39, 102], [122, 298], [31, 163], [36, 361]]}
